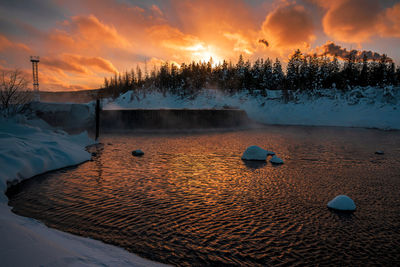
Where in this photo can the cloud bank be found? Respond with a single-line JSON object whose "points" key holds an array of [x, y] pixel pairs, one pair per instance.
{"points": [[83, 41]]}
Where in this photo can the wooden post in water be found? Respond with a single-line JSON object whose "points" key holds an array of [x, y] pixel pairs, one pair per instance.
{"points": [[97, 118]]}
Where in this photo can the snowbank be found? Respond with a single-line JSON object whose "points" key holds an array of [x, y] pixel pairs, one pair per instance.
{"points": [[361, 107], [67, 116], [27, 150]]}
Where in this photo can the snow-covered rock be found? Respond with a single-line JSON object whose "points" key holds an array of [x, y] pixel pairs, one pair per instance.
{"points": [[256, 153], [276, 160], [342, 203], [137, 152]]}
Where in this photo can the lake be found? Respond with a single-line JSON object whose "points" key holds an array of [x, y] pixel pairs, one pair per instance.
{"points": [[191, 200]]}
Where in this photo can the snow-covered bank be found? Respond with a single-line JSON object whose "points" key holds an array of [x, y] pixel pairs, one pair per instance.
{"points": [[361, 107], [27, 150], [67, 116]]}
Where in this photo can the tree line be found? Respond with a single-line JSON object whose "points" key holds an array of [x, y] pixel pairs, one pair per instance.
{"points": [[303, 72]]}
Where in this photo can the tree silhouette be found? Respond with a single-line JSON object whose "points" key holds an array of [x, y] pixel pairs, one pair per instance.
{"points": [[303, 72]]}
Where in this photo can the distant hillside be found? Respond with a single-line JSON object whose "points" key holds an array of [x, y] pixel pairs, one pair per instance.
{"points": [[70, 96]]}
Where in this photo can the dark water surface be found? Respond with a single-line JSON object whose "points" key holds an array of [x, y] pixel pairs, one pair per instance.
{"points": [[191, 201]]}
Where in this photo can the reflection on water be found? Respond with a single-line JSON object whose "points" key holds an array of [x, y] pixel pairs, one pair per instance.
{"points": [[191, 200]]}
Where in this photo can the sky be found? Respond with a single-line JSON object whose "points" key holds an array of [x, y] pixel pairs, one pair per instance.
{"points": [[81, 42]]}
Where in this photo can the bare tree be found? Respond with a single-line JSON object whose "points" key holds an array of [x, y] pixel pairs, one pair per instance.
{"points": [[14, 95]]}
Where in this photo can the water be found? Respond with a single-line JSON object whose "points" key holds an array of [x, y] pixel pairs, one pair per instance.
{"points": [[191, 201]]}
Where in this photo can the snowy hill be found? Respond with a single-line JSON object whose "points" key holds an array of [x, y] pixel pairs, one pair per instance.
{"points": [[369, 107]]}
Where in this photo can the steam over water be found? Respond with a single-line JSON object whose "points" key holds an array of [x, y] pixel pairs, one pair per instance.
{"points": [[191, 201]]}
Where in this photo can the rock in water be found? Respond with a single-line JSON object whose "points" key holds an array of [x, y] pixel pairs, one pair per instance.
{"points": [[276, 160], [137, 153], [256, 153], [379, 152], [342, 203]]}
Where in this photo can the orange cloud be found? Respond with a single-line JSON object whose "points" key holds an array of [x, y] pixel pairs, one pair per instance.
{"points": [[358, 20], [5, 43], [98, 62], [61, 65], [209, 18], [351, 21], [181, 47], [51, 79], [91, 29], [157, 10], [242, 44], [105, 36], [61, 38], [389, 25], [288, 26], [78, 64], [85, 34], [228, 26], [172, 38]]}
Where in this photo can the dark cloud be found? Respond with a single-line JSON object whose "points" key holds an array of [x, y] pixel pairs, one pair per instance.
{"points": [[263, 41], [331, 49], [37, 12], [39, 8]]}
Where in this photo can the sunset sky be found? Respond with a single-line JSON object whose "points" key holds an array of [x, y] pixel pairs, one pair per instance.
{"points": [[81, 42]]}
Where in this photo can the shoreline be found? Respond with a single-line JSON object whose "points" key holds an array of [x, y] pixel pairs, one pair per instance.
{"points": [[28, 151]]}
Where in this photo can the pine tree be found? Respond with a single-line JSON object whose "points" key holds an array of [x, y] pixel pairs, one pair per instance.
{"points": [[305, 72], [278, 76], [133, 79], [293, 70], [391, 74], [382, 72], [350, 72], [364, 73], [139, 78], [267, 76], [106, 83]]}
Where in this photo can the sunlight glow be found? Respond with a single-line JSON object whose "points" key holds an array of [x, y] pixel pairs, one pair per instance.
{"points": [[205, 54]]}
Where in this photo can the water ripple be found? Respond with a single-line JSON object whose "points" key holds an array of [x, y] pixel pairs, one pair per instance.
{"points": [[191, 201]]}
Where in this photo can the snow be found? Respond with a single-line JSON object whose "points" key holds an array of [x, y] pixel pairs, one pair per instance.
{"points": [[276, 160], [256, 153], [68, 116], [342, 203], [27, 150], [31, 147], [368, 107]]}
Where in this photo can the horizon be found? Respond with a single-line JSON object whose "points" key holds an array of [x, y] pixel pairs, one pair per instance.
{"points": [[80, 43]]}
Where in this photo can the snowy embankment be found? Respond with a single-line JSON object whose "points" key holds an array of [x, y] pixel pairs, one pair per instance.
{"points": [[25, 151], [360, 107]]}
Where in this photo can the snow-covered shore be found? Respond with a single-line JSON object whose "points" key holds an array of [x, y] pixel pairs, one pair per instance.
{"points": [[25, 151], [368, 107]]}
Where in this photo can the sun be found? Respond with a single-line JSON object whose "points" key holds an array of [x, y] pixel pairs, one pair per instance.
{"points": [[202, 53]]}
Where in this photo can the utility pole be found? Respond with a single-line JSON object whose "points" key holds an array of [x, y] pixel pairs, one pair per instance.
{"points": [[97, 119], [35, 60]]}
